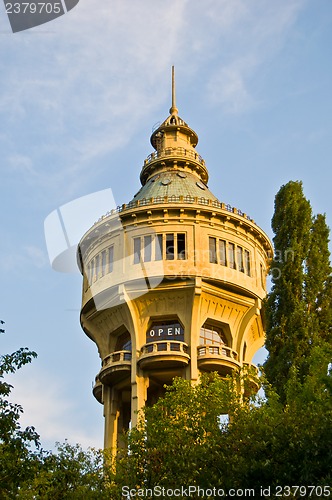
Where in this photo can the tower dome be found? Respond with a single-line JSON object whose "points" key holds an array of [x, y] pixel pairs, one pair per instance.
{"points": [[175, 168], [173, 282]]}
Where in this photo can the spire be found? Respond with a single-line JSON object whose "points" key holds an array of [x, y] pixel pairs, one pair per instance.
{"points": [[174, 143], [174, 110]]}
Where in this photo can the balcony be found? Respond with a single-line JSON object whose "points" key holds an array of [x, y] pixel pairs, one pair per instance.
{"points": [[116, 366], [97, 390], [218, 358], [180, 154], [252, 382], [164, 354]]}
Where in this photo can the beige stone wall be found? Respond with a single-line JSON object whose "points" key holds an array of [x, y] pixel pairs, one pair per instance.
{"points": [[191, 291]]}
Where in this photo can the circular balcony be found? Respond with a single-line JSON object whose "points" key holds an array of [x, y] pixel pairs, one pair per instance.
{"points": [[180, 154], [164, 354], [218, 358], [252, 383], [116, 366], [97, 390]]}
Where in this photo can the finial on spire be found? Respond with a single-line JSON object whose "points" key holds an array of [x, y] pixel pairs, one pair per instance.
{"points": [[174, 110]]}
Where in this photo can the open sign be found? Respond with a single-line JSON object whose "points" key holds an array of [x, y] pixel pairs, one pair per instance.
{"points": [[171, 331]]}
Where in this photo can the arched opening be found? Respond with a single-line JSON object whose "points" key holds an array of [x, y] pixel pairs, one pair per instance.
{"points": [[165, 329], [211, 334], [214, 352], [122, 347], [123, 342]]}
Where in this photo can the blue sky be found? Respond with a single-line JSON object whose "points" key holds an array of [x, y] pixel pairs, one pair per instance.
{"points": [[78, 99]]}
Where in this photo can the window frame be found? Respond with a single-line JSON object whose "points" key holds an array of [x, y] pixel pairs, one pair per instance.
{"points": [[213, 259], [239, 258], [231, 255], [137, 249], [217, 335], [169, 238], [147, 248], [181, 249], [222, 260]]}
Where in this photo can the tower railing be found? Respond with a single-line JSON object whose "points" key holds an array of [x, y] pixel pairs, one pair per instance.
{"points": [[97, 389], [252, 368], [165, 353], [116, 364], [216, 350], [178, 151], [164, 345], [218, 358], [176, 199], [117, 357]]}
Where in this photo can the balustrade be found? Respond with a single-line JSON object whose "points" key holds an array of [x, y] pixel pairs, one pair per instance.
{"points": [[217, 350], [217, 358], [117, 357], [170, 353], [179, 151]]}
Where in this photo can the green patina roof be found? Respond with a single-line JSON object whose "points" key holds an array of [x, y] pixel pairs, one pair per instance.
{"points": [[174, 183]]}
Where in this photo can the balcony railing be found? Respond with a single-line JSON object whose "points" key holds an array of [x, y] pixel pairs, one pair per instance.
{"points": [[188, 200], [97, 389], [217, 350], [217, 358], [115, 367], [251, 368], [116, 357], [162, 345], [170, 353], [252, 382], [179, 151]]}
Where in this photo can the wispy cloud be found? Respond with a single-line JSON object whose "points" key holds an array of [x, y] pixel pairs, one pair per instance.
{"points": [[48, 407], [76, 97], [36, 256], [21, 163], [22, 259], [259, 32], [229, 86]]}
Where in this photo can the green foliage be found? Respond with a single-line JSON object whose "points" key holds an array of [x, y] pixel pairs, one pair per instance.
{"points": [[17, 460], [298, 308], [27, 471], [180, 441], [318, 282], [71, 473], [181, 425], [10, 430]]}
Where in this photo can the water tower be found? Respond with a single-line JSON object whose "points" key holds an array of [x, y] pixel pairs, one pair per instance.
{"points": [[173, 281]]}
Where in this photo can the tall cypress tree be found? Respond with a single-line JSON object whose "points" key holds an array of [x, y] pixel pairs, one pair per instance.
{"points": [[288, 337], [318, 284]]}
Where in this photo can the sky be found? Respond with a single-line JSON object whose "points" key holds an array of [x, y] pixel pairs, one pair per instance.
{"points": [[78, 99]]}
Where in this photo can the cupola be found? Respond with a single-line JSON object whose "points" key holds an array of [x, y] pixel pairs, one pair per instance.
{"points": [[174, 143]]}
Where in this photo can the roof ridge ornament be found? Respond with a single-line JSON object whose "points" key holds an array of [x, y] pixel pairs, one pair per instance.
{"points": [[174, 110]]}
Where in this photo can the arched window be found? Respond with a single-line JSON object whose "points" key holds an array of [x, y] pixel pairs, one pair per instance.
{"points": [[212, 335], [123, 342]]}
